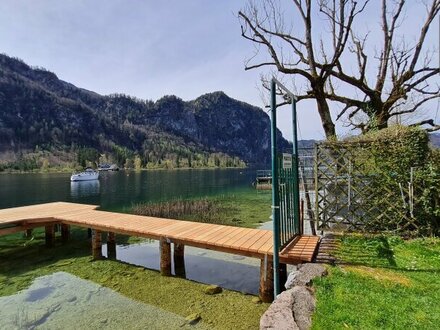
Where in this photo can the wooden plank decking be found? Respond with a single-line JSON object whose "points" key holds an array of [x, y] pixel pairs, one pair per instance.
{"points": [[237, 240]]}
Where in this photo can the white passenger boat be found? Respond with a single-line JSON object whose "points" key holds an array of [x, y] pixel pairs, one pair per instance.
{"points": [[88, 174]]}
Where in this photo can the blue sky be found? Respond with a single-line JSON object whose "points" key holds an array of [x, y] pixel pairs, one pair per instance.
{"points": [[143, 48]]}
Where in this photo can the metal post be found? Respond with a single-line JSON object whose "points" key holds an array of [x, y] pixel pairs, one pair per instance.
{"points": [[275, 192], [295, 170]]}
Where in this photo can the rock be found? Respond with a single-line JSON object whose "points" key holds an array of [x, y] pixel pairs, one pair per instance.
{"points": [[213, 289], [193, 318], [279, 315], [305, 274], [256, 300], [291, 310], [303, 306], [290, 283]]}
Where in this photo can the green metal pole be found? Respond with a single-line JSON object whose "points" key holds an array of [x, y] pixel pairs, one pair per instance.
{"points": [[295, 170], [275, 192]]}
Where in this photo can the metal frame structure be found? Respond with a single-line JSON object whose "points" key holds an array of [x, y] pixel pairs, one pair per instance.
{"points": [[281, 239]]}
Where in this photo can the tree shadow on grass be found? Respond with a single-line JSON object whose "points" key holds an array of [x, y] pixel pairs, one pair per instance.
{"points": [[375, 252], [371, 252], [385, 251]]}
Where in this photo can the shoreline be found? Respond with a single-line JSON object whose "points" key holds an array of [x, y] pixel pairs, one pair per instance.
{"points": [[67, 171]]}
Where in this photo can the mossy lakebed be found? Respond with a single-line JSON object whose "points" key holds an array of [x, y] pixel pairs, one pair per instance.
{"points": [[244, 208], [24, 260]]}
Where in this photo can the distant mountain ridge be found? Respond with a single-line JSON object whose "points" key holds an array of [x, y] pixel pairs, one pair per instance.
{"points": [[39, 110], [435, 139]]}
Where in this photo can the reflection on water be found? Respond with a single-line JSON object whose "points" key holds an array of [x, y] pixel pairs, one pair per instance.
{"points": [[84, 188], [117, 190], [64, 301], [226, 270]]}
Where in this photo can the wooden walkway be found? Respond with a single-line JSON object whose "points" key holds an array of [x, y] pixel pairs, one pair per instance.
{"points": [[256, 243]]}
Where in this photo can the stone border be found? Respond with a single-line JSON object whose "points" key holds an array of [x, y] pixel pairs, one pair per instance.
{"points": [[293, 308]]}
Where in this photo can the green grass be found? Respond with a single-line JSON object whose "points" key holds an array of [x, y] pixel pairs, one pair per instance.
{"points": [[248, 208], [383, 283], [22, 260]]}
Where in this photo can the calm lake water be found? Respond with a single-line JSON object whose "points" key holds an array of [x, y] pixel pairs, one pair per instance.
{"points": [[116, 190]]}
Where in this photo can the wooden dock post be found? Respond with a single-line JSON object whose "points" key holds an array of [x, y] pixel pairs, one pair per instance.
{"points": [[65, 233], [96, 244], [165, 257], [266, 280], [49, 235], [28, 233], [179, 260], [111, 245], [283, 276]]}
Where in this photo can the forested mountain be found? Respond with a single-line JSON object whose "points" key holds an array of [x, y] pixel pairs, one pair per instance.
{"points": [[46, 118], [435, 139]]}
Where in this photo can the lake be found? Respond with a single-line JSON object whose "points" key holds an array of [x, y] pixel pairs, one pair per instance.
{"points": [[117, 190]]}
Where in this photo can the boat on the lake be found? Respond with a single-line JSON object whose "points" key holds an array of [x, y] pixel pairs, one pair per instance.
{"points": [[88, 174]]}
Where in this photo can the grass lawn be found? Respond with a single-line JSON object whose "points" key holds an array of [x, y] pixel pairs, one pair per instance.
{"points": [[383, 283]]}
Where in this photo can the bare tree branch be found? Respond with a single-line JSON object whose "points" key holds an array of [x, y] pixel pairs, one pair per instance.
{"points": [[402, 84]]}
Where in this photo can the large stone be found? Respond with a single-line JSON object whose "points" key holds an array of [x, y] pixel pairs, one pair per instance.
{"points": [[279, 315], [193, 318], [213, 289], [291, 310], [303, 306], [304, 275]]}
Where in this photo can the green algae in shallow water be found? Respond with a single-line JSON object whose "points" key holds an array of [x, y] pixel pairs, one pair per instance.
{"points": [[20, 264], [64, 301]]}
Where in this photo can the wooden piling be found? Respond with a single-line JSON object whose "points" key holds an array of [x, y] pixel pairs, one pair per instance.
{"points": [[65, 233], [283, 276], [49, 235], [111, 245], [28, 233], [179, 260], [165, 257], [266, 280], [96, 244]]}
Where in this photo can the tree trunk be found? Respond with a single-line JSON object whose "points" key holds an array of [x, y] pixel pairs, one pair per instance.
{"points": [[326, 119]]}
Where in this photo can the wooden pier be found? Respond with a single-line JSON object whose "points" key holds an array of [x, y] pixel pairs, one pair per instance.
{"points": [[248, 242]]}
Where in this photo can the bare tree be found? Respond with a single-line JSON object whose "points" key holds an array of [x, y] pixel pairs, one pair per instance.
{"points": [[322, 59]]}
